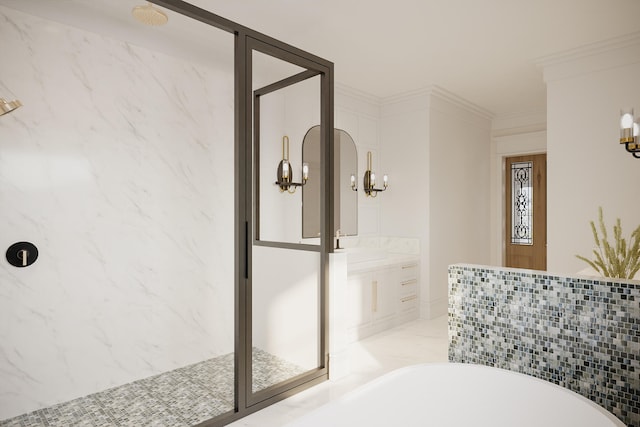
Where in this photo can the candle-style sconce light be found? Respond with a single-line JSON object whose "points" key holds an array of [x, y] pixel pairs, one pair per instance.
{"points": [[354, 184], [369, 181], [629, 131], [285, 172]]}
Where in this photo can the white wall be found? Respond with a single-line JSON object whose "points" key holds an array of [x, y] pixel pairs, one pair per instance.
{"points": [[117, 168], [437, 147], [459, 190], [359, 115], [587, 167], [405, 150], [274, 205]]}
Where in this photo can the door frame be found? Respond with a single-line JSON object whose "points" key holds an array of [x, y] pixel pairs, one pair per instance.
{"points": [[499, 207], [514, 142]]}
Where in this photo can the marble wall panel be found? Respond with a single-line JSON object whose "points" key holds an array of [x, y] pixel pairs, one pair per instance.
{"points": [[119, 169]]}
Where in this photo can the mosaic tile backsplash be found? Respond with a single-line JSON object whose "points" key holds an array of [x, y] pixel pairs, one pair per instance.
{"points": [[180, 398], [580, 333]]}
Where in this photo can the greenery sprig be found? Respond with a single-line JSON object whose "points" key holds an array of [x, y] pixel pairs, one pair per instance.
{"points": [[618, 260]]}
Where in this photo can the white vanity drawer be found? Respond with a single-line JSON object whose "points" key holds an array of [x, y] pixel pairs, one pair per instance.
{"points": [[409, 271], [408, 303], [408, 287]]}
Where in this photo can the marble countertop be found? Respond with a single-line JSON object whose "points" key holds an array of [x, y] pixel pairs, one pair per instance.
{"points": [[359, 259]]}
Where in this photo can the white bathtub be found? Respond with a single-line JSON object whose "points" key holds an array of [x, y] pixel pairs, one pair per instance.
{"points": [[451, 394]]}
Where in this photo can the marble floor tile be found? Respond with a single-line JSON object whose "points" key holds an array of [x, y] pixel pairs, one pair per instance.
{"points": [[419, 341]]}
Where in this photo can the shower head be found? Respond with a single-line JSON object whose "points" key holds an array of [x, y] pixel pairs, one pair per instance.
{"points": [[149, 15], [8, 106]]}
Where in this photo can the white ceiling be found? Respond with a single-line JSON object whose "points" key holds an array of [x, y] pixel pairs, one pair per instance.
{"points": [[482, 50]]}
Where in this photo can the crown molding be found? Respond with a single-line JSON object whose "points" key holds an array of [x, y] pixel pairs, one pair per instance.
{"points": [[519, 123], [406, 96], [601, 55], [343, 89], [443, 94], [414, 96], [460, 102], [590, 49]]}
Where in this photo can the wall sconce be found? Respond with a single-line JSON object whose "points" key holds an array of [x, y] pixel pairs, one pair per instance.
{"points": [[285, 174], [629, 131], [8, 106], [369, 181]]}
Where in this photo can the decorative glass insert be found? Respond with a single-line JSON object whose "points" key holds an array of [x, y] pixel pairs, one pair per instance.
{"points": [[522, 203]]}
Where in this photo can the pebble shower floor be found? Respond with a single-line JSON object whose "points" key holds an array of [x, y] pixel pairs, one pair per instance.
{"points": [[180, 398]]}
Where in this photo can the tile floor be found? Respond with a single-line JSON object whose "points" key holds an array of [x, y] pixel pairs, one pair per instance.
{"points": [[419, 341]]}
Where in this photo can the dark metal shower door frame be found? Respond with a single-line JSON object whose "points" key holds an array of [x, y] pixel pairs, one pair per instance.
{"points": [[320, 371], [246, 41], [314, 67]]}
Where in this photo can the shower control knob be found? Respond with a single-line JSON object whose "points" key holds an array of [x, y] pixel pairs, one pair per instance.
{"points": [[22, 254]]}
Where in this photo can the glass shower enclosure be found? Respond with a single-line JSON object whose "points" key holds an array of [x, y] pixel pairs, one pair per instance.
{"points": [[173, 284]]}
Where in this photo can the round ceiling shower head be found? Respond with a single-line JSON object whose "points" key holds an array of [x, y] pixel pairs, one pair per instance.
{"points": [[149, 15]]}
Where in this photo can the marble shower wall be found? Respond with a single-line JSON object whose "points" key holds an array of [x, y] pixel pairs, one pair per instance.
{"points": [[117, 168]]}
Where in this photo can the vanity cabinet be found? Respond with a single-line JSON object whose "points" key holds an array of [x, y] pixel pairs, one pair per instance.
{"points": [[381, 297]]}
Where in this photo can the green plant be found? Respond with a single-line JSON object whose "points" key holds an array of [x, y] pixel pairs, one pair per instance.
{"points": [[617, 260]]}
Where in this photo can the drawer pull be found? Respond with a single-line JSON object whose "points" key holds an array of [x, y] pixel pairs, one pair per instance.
{"points": [[407, 299], [410, 282], [404, 267]]}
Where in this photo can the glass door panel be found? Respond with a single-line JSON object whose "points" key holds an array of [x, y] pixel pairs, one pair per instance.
{"points": [[285, 322], [279, 124]]}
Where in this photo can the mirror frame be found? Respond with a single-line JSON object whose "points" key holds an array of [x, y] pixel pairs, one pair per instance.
{"points": [[310, 201]]}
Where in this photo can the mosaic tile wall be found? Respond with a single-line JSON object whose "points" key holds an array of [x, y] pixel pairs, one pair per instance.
{"points": [[180, 398], [580, 333]]}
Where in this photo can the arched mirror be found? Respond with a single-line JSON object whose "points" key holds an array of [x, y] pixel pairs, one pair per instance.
{"points": [[346, 176]]}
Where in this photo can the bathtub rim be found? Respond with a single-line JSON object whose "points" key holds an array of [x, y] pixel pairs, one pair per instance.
{"points": [[359, 390]]}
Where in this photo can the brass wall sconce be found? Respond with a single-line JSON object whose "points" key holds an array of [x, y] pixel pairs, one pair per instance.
{"points": [[629, 131], [8, 106], [285, 173], [369, 181]]}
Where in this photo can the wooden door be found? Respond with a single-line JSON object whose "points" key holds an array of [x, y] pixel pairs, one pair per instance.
{"points": [[526, 211]]}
